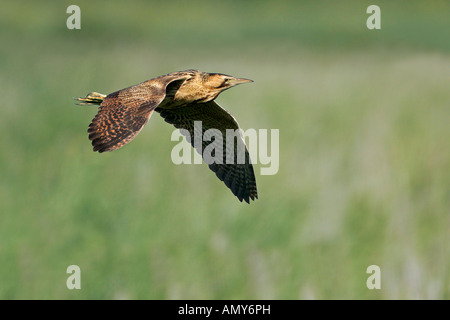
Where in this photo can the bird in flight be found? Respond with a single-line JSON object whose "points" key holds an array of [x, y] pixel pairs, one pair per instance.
{"points": [[183, 99]]}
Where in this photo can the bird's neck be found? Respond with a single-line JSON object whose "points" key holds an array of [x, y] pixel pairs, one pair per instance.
{"points": [[191, 93]]}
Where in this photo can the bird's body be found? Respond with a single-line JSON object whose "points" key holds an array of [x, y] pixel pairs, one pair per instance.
{"points": [[181, 98]]}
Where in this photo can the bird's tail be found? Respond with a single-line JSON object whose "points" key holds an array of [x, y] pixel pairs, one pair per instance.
{"points": [[93, 98]]}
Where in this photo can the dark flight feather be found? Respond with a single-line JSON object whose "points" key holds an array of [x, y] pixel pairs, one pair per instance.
{"points": [[239, 177]]}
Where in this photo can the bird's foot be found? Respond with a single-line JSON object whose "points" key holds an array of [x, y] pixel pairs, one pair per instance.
{"points": [[93, 98]]}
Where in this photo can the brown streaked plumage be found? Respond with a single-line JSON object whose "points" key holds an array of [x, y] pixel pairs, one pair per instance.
{"points": [[180, 98]]}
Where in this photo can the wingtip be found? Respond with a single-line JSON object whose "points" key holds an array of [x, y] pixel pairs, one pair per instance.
{"points": [[247, 199]]}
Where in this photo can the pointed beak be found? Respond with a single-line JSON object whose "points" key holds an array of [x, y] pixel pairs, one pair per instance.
{"points": [[236, 81]]}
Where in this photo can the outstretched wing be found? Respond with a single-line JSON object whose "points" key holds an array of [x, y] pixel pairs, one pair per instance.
{"points": [[236, 171], [123, 113]]}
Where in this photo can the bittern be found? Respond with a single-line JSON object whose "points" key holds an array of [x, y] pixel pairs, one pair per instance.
{"points": [[181, 98]]}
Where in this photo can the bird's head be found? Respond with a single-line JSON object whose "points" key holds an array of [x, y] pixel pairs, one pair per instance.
{"points": [[221, 82], [204, 87]]}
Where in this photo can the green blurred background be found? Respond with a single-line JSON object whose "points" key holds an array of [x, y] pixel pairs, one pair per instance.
{"points": [[364, 174]]}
